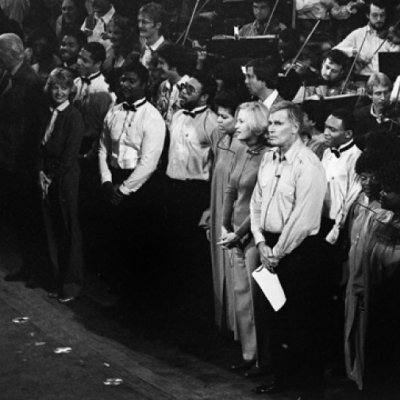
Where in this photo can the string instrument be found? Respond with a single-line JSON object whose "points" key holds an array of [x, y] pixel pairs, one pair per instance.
{"points": [[270, 17], [296, 58]]}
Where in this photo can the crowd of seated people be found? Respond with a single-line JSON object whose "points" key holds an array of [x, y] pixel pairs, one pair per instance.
{"points": [[129, 152]]}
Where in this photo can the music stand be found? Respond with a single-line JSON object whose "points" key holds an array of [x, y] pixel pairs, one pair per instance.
{"points": [[244, 48], [389, 64]]}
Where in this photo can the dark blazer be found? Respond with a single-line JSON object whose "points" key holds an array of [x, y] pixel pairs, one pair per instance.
{"points": [[366, 123], [58, 158], [22, 111]]}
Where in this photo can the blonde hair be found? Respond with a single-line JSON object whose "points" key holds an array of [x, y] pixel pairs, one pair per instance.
{"points": [[257, 117], [378, 79]]}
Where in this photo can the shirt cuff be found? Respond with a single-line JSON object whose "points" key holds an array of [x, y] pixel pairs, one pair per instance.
{"points": [[124, 190], [258, 237]]}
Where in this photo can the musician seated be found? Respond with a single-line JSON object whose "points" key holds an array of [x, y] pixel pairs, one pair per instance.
{"points": [[262, 12], [330, 81], [367, 42], [376, 115]]}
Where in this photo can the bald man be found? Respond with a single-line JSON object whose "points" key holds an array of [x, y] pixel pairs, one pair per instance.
{"points": [[22, 110]]}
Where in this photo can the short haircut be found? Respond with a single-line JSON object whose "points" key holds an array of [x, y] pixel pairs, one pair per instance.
{"points": [[378, 79], [138, 68], [337, 57], [294, 112], [257, 117], [175, 56], [347, 118], [208, 84], [154, 10], [12, 44], [378, 3], [96, 50], [79, 36], [315, 111], [266, 70], [290, 36], [60, 76], [227, 99]]}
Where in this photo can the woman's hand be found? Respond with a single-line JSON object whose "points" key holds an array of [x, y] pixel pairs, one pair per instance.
{"points": [[229, 241]]}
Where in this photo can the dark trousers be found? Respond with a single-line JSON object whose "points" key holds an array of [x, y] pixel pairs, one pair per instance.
{"points": [[132, 248], [188, 248], [296, 331], [64, 238]]}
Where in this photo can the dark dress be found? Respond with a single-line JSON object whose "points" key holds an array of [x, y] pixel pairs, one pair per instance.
{"points": [[59, 161]]}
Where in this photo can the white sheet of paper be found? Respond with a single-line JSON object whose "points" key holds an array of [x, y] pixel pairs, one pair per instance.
{"points": [[271, 287]]}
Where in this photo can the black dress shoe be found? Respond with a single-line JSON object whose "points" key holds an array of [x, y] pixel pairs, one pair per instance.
{"points": [[243, 365], [16, 277], [256, 371], [270, 388]]}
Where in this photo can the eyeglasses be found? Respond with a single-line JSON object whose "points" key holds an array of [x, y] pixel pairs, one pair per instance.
{"points": [[189, 88]]}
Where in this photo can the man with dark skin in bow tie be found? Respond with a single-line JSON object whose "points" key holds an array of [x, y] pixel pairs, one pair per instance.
{"points": [[130, 147]]}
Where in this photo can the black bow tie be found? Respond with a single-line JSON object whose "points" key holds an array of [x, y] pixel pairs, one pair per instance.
{"points": [[88, 80], [194, 113], [132, 107], [336, 152], [129, 107]]}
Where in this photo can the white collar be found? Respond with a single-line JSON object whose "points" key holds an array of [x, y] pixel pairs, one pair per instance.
{"points": [[61, 107], [156, 44], [270, 99], [106, 18]]}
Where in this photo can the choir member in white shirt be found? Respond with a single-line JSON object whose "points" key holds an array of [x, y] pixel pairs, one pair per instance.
{"points": [[339, 162], [285, 213], [188, 183], [343, 189], [366, 41], [130, 147]]}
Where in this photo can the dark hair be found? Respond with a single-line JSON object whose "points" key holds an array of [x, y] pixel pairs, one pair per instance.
{"points": [[290, 35], [96, 50], [138, 69], [315, 111], [370, 161], [261, 1], [266, 70], [337, 57], [227, 99], [378, 3], [79, 36], [45, 33], [347, 118], [176, 56], [208, 84], [389, 175]]}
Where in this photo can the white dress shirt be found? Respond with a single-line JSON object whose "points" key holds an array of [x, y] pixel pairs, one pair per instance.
{"points": [[269, 101], [288, 197], [149, 50], [372, 46], [189, 155], [99, 32], [97, 84], [131, 140], [343, 184], [52, 122]]}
